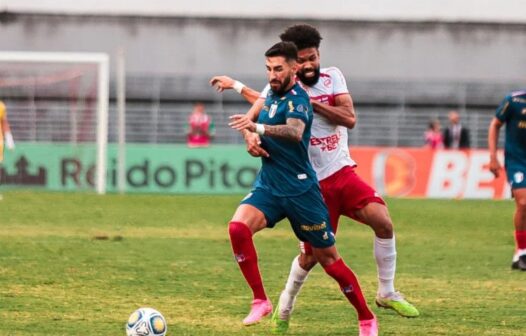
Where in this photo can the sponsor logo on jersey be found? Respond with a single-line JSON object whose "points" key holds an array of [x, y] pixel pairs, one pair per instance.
{"points": [[302, 176], [272, 111], [326, 144]]}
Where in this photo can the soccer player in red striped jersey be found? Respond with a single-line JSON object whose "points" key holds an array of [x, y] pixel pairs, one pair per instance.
{"points": [[344, 191], [287, 187]]}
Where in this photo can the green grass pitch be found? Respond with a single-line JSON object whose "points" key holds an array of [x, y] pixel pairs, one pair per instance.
{"points": [[173, 253]]}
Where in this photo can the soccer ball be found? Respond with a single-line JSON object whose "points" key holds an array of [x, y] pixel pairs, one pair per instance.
{"points": [[146, 322]]}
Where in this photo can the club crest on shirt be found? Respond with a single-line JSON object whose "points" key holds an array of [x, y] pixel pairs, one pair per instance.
{"points": [[272, 111], [518, 177]]}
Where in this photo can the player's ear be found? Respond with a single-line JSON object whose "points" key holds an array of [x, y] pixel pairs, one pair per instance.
{"points": [[294, 66]]}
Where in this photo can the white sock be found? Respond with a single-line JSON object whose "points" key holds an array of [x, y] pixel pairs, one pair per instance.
{"points": [[518, 253], [385, 255], [297, 277]]}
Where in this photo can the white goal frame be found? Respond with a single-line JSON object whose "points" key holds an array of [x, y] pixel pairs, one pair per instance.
{"points": [[103, 80]]}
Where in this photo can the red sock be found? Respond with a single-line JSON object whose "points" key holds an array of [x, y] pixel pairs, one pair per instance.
{"points": [[246, 257], [350, 287], [520, 239]]}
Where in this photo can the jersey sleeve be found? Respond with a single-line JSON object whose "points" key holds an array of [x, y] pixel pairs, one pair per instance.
{"points": [[503, 112], [298, 108], [264, 92], [338, 80]]}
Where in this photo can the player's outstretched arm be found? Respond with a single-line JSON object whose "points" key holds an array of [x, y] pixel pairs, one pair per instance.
{"points": [[340, 114], [222, 83], [493, 137]]}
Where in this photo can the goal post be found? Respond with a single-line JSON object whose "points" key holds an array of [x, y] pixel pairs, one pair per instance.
{"points": [[101, 61]]}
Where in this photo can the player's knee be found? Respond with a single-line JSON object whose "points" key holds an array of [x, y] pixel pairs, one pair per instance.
{"points": [[307, 262], [383, 228], [326, 256]]}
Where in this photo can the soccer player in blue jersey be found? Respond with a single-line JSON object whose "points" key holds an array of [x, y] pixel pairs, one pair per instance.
{"points": [[287, 187], [512, 112]]}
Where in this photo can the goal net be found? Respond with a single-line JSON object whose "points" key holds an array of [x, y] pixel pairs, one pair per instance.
{"points": [[57, 107]]}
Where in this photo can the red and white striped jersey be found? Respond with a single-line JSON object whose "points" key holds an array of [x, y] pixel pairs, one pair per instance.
{"points": [[328, 148]]}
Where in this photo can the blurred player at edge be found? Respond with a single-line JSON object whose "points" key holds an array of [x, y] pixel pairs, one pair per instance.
{"points": [[344, 192], [5, 132], [512, 112], [286, 187]]}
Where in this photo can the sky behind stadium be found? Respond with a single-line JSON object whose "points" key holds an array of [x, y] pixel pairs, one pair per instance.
{"points": [[505, 11]]}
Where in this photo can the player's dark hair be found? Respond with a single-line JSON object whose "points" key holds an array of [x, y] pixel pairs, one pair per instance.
{"points": [[303, 36], [285, 49]]}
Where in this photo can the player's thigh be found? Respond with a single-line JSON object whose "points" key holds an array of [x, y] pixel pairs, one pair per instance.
{"points": [[357, 195], [377, 217], [260, 208], [309, 218]]}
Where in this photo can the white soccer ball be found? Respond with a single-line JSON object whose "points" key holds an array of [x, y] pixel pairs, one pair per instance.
{"points": [[146, 322]]}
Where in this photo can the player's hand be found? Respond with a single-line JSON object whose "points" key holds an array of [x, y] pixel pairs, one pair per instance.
{"points": [[254, 145], [241, 122], [495, 167], [222, 83]]}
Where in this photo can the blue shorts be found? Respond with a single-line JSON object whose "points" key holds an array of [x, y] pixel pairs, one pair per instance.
{"points": [[307, 213], [516, 174]]}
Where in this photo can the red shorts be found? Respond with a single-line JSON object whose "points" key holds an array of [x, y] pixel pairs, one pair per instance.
{"points": [[345, 193]]}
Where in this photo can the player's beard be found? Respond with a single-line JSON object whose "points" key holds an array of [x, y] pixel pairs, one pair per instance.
{"points": [[281, 89], [309, 81]]}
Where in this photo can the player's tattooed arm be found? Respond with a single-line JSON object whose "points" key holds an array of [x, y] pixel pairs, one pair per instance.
{"points": [[292, 131]]}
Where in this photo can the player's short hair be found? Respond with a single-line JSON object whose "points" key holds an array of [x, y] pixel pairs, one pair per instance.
{"points": [[303, 36], [285, 49]]}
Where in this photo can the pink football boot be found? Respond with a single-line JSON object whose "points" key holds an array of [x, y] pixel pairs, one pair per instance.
{"points": [[369, 327], [260, 308]]}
